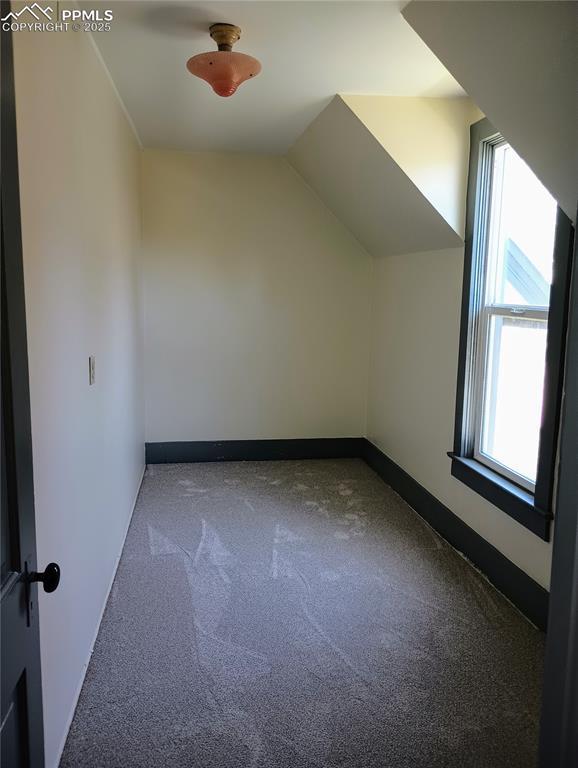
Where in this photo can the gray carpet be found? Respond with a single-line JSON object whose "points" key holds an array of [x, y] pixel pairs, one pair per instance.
{"points": [[300, 615]]}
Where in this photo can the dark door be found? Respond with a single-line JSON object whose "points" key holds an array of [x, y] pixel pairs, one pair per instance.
{"points": [[21, 731], [559, 731]]}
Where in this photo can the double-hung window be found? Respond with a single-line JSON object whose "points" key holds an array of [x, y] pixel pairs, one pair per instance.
{"points": [[514, 308]]}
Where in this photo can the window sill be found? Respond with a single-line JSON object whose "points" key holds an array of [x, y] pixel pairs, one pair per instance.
{"points": [[507, 496]]}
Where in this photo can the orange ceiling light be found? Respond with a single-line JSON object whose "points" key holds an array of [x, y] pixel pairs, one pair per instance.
{"points": [[223, 69]]}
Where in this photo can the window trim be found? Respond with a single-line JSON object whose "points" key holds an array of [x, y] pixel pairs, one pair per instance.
{"points": [[531, 509]]}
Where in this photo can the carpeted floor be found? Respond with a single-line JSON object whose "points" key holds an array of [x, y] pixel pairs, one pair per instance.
{"points": [[300, 615]]}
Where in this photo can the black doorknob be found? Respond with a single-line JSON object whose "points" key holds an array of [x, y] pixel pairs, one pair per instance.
{"points": [[50, 578]]}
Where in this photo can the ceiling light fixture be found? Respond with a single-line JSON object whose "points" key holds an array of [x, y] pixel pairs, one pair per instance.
{"points": [[223, 69]]}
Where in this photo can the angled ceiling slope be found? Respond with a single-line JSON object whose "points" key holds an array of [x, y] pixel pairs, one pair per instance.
{"points": [[518, 61], [395, 181], [429, 140]]}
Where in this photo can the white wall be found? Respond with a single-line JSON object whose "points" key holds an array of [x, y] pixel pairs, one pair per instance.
{"points": [[412, 385], [256, 303], [79, 176]]}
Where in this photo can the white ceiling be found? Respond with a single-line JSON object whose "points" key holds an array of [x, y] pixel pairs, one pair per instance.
{"points": [[309, 51]]}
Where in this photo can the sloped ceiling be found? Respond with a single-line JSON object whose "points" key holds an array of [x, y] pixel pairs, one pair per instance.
{"points": [[518, 61], [398, 188], [429, 140]]}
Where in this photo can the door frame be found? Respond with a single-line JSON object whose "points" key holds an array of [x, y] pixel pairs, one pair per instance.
{"points": [[559, 731]]}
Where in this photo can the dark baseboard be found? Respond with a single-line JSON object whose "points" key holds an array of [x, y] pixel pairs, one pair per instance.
{"points": [[528, 596], [255, 450]]}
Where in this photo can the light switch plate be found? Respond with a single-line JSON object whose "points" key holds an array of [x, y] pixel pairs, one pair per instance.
{"points": [[91, 370]]}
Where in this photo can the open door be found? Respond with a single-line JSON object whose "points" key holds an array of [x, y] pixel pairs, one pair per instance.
{"points": [[21, 733]]}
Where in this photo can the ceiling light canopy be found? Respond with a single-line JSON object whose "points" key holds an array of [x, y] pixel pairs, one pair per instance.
{"points": [[223, 69]]}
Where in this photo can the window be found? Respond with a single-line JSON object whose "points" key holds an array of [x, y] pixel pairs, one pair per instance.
{"points": [[514, 308], [516, 264]]}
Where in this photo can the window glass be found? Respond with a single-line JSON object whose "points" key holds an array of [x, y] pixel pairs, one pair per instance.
{"points": [[514, 379], [521, 233]]}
